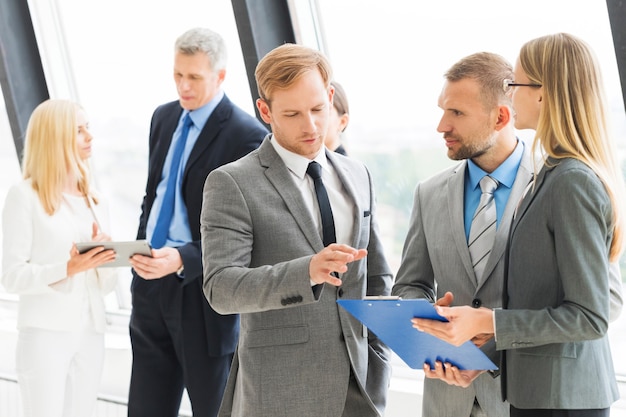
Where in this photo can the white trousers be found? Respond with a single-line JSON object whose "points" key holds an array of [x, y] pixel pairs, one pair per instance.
{"points": [[59, 372]]}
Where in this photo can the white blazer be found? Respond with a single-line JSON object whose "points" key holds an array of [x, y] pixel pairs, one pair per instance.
{"points": [[35, 251]]}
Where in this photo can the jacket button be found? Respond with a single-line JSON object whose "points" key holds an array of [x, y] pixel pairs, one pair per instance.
{"points": [[299, 299], [476, 303], [283, 302], [340, 292]]}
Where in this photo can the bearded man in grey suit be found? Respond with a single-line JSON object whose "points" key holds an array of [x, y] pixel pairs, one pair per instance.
{"points": [[477, 125], [299, 354]]}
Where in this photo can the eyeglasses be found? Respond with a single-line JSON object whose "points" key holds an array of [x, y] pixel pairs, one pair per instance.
{"points": [[507, 84]]}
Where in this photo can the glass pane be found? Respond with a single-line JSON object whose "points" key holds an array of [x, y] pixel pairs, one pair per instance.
{"points": [[10, 171], [116, 59], [391, 63]]}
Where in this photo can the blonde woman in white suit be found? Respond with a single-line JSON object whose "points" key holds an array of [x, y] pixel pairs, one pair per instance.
{"points": [[61, 321]]}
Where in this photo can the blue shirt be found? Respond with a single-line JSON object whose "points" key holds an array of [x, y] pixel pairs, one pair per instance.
{"points": [[505, 175], [180, 232]]}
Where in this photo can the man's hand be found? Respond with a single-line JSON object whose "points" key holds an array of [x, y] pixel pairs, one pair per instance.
{"points": [[446, 300], [163, 262], [333, 258], [482, 339], [451, 374]]}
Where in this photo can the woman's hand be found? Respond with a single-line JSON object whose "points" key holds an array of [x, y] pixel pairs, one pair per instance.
{"points": [[96, 236], [464, 323], [93, 258]]}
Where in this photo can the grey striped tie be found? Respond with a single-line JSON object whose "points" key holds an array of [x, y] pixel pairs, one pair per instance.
{"points": [[483, 228]]}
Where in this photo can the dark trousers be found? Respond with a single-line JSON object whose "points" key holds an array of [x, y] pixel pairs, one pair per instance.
{"points": [[603, 412], [170, 352]]}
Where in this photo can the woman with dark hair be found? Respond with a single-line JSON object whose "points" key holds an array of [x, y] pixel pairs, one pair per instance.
{"points": [[339, 117]]}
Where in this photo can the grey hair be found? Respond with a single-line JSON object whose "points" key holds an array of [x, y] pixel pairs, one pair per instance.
{"points": [[205, 41]]}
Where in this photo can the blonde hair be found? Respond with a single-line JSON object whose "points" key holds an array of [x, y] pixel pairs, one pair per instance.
{"points": [[284, 65], [573, 119], [51, 153]]}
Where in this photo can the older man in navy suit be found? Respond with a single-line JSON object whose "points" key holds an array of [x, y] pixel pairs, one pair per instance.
{"points": [[178, 340]]}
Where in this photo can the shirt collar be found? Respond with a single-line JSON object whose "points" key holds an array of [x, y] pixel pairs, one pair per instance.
{"points": [[200, 115], [298, 164], [505, 173]]}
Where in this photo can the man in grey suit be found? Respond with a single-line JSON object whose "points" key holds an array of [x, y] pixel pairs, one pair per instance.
{"points": [[477, 125], [299, 354]]}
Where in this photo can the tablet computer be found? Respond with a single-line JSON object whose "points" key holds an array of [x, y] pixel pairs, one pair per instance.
{"points": [[123, 250]]}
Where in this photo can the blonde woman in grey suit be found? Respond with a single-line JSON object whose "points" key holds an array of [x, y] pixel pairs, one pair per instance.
{"points": [[61, 320], [568, 228]]}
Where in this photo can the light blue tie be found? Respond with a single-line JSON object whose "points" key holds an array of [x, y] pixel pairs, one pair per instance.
{"points": [[162, 227]]}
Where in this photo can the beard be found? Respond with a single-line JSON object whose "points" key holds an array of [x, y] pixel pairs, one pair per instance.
{"points": [[473, 146], [466, 152]]}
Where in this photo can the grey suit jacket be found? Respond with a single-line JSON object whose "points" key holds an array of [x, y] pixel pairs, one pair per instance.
{"points": [[435, 255], [296, 345], [554, 327]]}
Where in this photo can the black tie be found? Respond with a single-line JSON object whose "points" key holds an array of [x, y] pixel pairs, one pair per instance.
{"points": [[328, 224]]}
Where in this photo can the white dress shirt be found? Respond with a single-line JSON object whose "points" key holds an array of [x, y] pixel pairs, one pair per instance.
{"points": [[341, 205]]}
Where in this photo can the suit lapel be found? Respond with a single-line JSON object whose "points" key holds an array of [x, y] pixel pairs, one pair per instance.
{"points": [[532, 192], [210, 131], [100, 217], [279, 176], [170, 121], [523, 177]]}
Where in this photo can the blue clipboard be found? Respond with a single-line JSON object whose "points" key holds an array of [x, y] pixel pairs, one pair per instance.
{"points": [[390, 320]]}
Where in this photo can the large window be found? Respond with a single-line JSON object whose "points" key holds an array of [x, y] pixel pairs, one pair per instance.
{"points": [[391, 62], [391, 58], [116, 59], [9, 166]]}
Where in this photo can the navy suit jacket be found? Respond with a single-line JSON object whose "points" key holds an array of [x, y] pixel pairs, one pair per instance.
{"points": [[229, 134]]}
